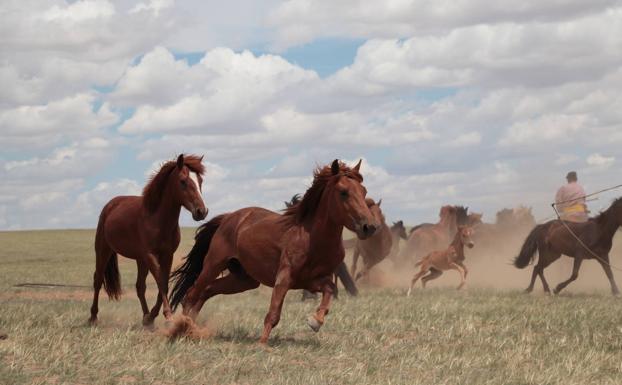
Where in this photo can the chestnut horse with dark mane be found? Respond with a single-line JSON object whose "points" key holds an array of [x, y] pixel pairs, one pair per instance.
{"points": [[146, 228], [297, 250], [552, 239]]}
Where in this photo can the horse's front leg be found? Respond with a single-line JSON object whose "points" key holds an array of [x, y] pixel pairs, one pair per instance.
{"points": [[327, 287], [160, 274], [165, 272], [281, 286], [607, 267]]}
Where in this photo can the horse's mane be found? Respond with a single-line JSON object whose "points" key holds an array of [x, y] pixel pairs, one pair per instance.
{"points": [[154, 189], [603, 215], [462, 215], [307, 206]]}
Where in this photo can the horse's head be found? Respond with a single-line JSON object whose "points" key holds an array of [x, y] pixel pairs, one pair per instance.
{"points": [[399, 229], [347, 204], [465, 233], [187, 186], [374, 207]]}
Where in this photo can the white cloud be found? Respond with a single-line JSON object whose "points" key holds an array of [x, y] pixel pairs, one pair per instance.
{"points": [[599, 160], [49, 124], [301, 21]]}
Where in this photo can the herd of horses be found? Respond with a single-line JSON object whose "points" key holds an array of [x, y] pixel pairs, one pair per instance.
{"points": [[302, 246]]}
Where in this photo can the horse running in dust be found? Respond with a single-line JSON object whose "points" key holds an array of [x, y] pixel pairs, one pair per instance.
{"points": [[451, 258], [552, 239], [146, 228], [341, 272], [509, 224], [299, 249], [428, 237], [375, 249]]}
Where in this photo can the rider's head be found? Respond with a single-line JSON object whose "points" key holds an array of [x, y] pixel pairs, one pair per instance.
{"points": [[571, 176]]}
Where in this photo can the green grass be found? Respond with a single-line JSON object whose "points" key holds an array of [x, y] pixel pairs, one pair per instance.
{"points": [[438, 336]]}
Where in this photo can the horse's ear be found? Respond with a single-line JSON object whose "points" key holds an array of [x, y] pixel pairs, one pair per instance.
{"points": [[180, 161], [379, 202], [400, 222], [335, 167], [201, 158], [358, 165]]}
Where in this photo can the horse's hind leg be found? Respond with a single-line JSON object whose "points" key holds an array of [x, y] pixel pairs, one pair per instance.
{"points": [[575, 273], [103, 253], [232, 283], [434, 273], [214, 263], [421, 273], [545, 284], [534, 274], [607, 267], [141, 288]]}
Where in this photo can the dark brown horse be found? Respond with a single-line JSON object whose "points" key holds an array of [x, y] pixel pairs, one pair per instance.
{"points": [[426, 237], [398, 232], [146, 228], [450, 258], [297, 250], [374, 249], [552, 239]]}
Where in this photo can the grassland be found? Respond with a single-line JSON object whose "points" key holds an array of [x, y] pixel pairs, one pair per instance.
{"points": [[440, 336]]}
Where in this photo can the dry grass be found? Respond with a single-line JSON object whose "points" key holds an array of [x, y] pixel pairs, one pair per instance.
{"points": [[438, 336]]}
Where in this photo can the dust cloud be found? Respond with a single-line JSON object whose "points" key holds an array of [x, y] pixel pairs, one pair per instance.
{"points": [[490, 266]]}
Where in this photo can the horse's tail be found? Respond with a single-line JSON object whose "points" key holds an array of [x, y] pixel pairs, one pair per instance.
{"points": [[530, 246], [349, 243], [346, 279], [112, 278], [185, 275]]}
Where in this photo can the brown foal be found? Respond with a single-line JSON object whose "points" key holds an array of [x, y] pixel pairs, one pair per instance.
{"points": [[451, 258]]}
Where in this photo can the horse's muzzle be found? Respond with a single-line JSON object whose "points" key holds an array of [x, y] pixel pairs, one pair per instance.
{"points": [[199, 214], [366, 230], [470, 245]]}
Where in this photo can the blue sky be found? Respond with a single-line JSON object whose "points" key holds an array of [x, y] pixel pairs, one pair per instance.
{"points": [[464, 104]]}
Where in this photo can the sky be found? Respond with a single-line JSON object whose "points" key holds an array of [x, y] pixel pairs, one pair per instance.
{"points": [[472, 102]]}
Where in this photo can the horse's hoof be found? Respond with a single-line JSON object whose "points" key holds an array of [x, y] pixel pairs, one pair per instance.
{"points": [[148, 320], [92, 321], [3, 336], [410, 289], [528, 290], [314, 324]]}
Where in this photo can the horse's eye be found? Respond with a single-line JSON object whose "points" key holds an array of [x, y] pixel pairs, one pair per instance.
{"points": [[343, 194], [183, 182]]}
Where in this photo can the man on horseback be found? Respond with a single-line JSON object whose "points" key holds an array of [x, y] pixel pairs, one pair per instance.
{"points": [[570, 200]]}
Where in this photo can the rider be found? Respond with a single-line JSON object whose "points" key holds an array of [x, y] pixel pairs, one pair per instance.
{"points": [[570, 200]]}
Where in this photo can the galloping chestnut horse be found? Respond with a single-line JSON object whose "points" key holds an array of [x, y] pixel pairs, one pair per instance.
{"points": [[552, 239], [375, 248], [146, 228], [297, 250], [450, 258], [426, 237]]}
